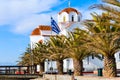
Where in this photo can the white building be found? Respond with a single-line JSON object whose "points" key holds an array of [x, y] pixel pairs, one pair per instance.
{"points": [[68, 19]]}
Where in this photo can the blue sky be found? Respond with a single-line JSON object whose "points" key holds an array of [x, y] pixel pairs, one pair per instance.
{"points": [[19, 17]]}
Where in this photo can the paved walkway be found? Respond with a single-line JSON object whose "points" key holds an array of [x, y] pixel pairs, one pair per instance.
{"points": [[89, 74], [68, 77]]}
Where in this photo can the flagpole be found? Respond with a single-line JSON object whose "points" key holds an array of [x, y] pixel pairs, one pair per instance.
{"points": [[51, 27], [56, 29], [51, 59]]}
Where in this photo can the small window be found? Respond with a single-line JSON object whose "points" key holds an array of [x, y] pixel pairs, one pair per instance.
{"points": [[92, 56], [64, 19], [78, 18], [72, 18], [119, 55], [88, 59]]}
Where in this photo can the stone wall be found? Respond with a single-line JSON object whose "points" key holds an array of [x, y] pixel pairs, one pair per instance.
{"points": [[58, 77]]}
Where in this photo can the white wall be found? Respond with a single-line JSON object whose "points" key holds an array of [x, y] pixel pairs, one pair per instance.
{"points": [[46, 32], [61, 16], [117, 56], [75, 16], [68, 16], [35, 39]]}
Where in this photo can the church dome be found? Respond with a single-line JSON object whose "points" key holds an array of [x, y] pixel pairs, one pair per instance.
{"points": [[36, 31], [68, 10]]}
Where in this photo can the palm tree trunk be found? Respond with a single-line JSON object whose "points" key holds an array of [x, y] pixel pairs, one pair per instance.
{"points": [[109, 66], [35, 70], [60, 66], [78, 67], [41, 68]]}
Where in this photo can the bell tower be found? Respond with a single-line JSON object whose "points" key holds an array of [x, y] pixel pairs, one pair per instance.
{"points": [[69, 18]]}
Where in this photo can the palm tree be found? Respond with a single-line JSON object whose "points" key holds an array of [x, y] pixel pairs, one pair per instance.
{"points": [[25, 59], [113, 8], [104, 39], [77, 50], [57, 51], [40, 55]]}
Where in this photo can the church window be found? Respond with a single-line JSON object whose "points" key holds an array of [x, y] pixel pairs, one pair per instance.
{"points": [[64, 19], [72, 18], [92, 56], [78, 18], [102, 57], [119, 55]]}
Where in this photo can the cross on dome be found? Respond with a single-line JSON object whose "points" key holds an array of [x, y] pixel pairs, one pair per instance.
{"points": [[68, 3]]}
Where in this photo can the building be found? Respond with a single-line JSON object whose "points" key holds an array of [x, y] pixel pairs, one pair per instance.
{"points": [[68, 19]]}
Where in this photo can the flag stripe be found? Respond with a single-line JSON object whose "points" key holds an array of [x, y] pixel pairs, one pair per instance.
{"points": [[54, 26]]}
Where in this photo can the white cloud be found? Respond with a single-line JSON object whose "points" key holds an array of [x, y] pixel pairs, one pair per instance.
{"points": [[31, 22], [21, 14]]}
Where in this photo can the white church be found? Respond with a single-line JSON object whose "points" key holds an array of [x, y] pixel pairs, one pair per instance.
{"points": [[68, 19]]}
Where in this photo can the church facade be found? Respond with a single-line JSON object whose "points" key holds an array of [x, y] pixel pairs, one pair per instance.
{"points": [[68, 19]]}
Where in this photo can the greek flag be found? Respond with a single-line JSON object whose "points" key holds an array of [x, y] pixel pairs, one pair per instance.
{"points": [[54, 26]]}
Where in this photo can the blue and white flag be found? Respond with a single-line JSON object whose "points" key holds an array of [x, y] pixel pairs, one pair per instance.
{"points": [[54, 26]]}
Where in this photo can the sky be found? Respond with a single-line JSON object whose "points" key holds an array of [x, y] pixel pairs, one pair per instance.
{"points": [[19, 17]]}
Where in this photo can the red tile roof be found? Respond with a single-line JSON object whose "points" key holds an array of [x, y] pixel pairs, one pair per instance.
{"points": [[68, 10], [44, 27], [36, 31]]}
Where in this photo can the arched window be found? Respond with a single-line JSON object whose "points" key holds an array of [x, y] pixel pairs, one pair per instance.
{"points": [[119, 55], [92, 56], [72, 18], [78, 18], [64, 19]]}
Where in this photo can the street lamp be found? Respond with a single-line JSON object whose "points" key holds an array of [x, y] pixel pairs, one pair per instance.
{"points": [[32, 61], [31, 56]]}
